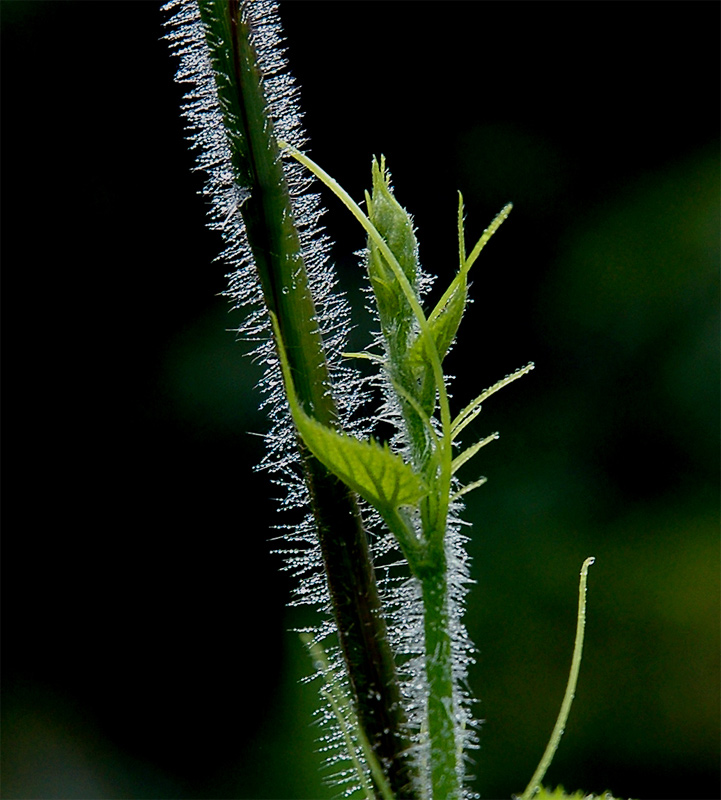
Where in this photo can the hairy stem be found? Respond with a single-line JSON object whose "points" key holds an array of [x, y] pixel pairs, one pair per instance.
{"points": [[443, 754], [275, 244]]}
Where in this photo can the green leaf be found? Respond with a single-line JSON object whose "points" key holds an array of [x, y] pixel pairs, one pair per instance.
{"points": [[469, 487], [498, 220], [446, 317], [447, 314], [473, 409], [467, 454], [372, 470], [443, 323], [376, 359]]}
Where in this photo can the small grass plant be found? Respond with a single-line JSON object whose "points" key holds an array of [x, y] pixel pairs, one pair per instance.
{"points": [[379, 548]]}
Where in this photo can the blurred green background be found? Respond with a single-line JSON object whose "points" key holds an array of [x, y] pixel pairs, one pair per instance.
{"points": [[146, 646]]}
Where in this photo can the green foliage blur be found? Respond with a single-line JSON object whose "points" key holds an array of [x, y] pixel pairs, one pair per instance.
{"points": [[146, 650]]}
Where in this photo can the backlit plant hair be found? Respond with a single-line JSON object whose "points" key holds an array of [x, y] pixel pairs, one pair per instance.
{"points": [[379, 549]]}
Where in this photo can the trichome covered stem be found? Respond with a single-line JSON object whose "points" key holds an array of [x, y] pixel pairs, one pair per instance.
{"points": [[267, 213]]}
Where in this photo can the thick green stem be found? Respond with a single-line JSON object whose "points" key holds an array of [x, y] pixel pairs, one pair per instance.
{"points": [[444, 773], [274, 241]]}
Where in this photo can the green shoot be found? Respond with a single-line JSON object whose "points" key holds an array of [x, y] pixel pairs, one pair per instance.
{"points": [[558, 729]]}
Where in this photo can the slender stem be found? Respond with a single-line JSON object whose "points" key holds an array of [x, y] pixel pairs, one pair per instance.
{"points": [[443, 755], [535, 783]]}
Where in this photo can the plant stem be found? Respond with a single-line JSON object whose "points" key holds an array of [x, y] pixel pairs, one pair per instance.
{"points": [[439, 675], [275, 244], [535, 783]]}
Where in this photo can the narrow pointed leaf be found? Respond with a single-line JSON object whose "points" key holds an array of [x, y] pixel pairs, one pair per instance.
{"points": [[473, 409], [446, 317], [443, 322], [461, 232], [467, 454], [367, 356], [469, 487], [498, 220]]}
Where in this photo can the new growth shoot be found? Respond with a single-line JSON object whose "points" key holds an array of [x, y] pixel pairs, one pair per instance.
{"points": [[535, 783]]}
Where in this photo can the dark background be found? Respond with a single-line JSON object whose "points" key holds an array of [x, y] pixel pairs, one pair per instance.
{"points": [[146, 651]]}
